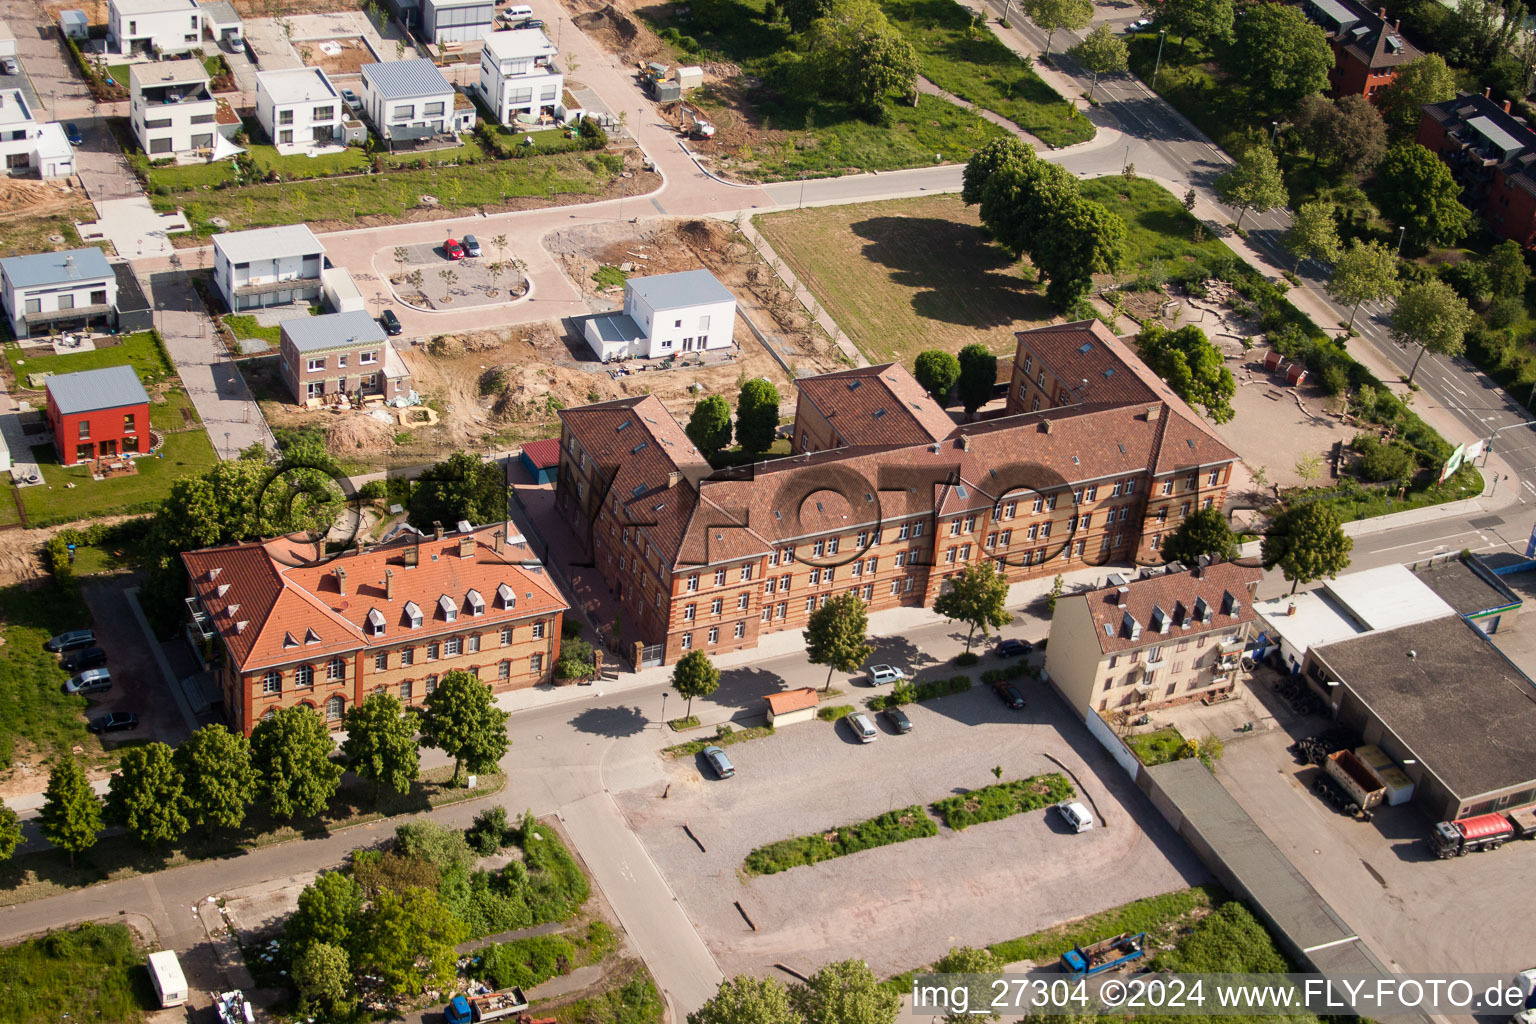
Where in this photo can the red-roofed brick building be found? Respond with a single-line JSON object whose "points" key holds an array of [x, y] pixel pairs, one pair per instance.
{"points": [[1143, 644], [390, 618], [702, 560], [1367, 48]]}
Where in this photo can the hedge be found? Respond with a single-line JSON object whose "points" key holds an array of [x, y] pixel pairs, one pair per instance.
{"points": [[1018, 670], [724, 737], [834, 712], [1003, 799], [891, 827], [907, 693]]}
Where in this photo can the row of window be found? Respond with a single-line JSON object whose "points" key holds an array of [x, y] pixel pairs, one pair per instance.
{"points": [[64, 300], [1132, 696], [336, 668], [407, 687], [318, 115], [130, 426], [318, 363], [1156, 653]]}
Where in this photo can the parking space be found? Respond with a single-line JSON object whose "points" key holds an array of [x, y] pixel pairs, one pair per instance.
{"points": [[902, 905], [137, 685]]}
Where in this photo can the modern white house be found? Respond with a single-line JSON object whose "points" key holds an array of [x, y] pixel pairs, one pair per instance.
{"points": [[223, 24], [57, 290], [519, 76], [456, 21], [299, 109], [174, 115], [664, 315], [410, 99], [153, 26], [30, 146], [268, 266]]}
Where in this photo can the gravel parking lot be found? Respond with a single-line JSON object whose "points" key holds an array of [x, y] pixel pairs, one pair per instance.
{"points": [[137, 684], [904, 905]]}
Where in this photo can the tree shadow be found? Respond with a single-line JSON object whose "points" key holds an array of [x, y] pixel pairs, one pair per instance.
{"points": [[615, 723], [958, 275], [743, 689]]}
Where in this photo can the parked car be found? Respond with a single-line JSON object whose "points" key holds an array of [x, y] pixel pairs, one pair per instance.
{"points": [[1012, 648], [898, 719], [390, 322], [1010, 695], [92, 680], [879, 675], [719, 762], [72, 133], [532, 23], [471, 245], [91, 657], [454, 250], [1075, 815], [352, 100], [71, 641], [1139, 25], [117, 721], [10, 67], [862, 727]]}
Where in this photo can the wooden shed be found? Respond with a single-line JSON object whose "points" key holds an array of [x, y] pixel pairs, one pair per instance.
{"points": [[791, 706], [1295, 374], [1272, 360]]}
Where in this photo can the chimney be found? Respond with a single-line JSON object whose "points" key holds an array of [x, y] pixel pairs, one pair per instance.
{"points": [[1506, 106], [341, 581], [965, 442], [1397, 25], [437, 530], [1487, 92], [500, 537], [1045, 425], [1290, 609], [674, 478], [467, 545], [1381, 12], [389, 584], [357, 545], [1152, 413], [1120, 596], [412, 553]]}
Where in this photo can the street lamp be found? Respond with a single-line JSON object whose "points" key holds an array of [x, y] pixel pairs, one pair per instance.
{"points": [[1400, 236], [1274, 129], [1162, 37], [663, 710], [802, 190]]}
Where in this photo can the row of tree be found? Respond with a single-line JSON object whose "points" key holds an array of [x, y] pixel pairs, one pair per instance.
{"points": [[757, 419], [971, 375], [288, 767]]}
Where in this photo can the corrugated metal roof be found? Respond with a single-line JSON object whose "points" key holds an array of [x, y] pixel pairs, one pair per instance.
{"points": [[268, 243], [617, 327], [333, 330], [405, 79], [672, 291], [89, 390], [56, 267], [1506, 142]]}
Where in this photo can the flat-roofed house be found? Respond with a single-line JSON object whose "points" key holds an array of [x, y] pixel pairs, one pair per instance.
{"points": [[268, 266], [299, 109], [153, 26], [519, 76]]}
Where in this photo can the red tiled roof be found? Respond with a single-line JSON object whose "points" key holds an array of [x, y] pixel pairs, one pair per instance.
{"points": [[636, 442], [792, 700], [543, 454], [270, 613], [1178, 595], [876, 405]]}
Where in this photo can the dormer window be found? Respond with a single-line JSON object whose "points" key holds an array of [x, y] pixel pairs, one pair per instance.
{"points": [[448, 608], [375, 622], [413, 614], [505, 595], [476, 603], [289, 641], [310, 636]]}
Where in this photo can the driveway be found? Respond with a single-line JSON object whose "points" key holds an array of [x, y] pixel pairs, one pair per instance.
{"points": [[903, 905]]}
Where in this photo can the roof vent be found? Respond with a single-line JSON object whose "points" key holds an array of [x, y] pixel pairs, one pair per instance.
{"points": [[310, 636], [213, 574], [240, 626], [464, 526], [231, 610], [289, 641], [223, 588]]}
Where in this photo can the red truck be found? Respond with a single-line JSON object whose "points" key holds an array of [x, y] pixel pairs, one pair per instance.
{"points": [[1469, 835]]}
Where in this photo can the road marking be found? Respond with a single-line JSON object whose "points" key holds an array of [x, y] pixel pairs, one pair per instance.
{"points": [[1528, 486], [1330, 945]]}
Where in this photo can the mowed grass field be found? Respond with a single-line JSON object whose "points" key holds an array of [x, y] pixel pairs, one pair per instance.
{"points": [[907, 275]]}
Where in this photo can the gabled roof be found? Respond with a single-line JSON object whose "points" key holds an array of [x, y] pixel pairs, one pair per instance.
{"points": [[332, 331], [1172, 605], [792, 700], [876, 405], [635, 443], [45, 268], [89, 390], [675, 291], [1362, 32], [543, 454], [268, 243], [405, 79]]}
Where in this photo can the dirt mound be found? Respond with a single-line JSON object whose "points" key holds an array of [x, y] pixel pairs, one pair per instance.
{"points": [[354, 432], [28, 196], [481, 341], [618, 32]]}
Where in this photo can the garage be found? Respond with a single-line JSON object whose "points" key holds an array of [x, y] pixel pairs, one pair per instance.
{"points": [[791, 706]]}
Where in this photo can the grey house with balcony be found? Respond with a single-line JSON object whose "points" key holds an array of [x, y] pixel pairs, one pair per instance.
{"points": [[410, 100], [174, 115], [268, 266], [341, 354], [56, 291]]}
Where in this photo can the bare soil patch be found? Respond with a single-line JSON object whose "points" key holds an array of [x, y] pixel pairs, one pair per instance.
{"points": [[354, 53]]}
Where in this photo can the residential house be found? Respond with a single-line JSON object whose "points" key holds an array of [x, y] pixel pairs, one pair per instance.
{"points": [[456, 21], [341, 354], [153, 27], [664, 315], [866, 405], [268, 266], [174, 114], [299, 109], [1152, 642], [519, 76], [712, 561], [1367, 48], [56, 291], [98, 414], [410, 99], [223, 24], [1492, 153], [30, 146], [391, 618]]}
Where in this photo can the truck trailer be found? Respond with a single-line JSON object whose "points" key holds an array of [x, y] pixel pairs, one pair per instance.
{"points": [[1470, 835], [1104, 955], [485, 1006], [1356, 778], [165, 974]]}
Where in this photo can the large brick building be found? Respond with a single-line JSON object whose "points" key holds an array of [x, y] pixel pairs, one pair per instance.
{"points": [[1492, 153], [1067, 476], [1367, 49], [389, 618]]}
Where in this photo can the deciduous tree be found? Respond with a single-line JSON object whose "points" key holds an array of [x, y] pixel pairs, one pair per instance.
{"points": [[978, 376], [323, 975], [1209, 21], [801, 13], [462, 487], [845, 992], [747, 1000], [1191, 365], [1281, 55], [291, 752], [1083, 239], [1314, 233], [1254, 184], [71, 814], [147, 796], [976, 596], [709, 428], [1051, 15], [1203, 532], [937, 371], [1351, 134], [219, 780], [1415, 190], [464, 722], [1425, 79], [695, 675], [757, 415], [10, 832], [381, 743], [329, 911], [1507, 271], [1433, 317], [408, 940], [855, 51], [970, 960], [1365, 272], [837, 635], [1101, 52], [1307, 543]]}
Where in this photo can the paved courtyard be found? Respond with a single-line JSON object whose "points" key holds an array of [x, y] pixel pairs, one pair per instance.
{"points": [[904, 905]]}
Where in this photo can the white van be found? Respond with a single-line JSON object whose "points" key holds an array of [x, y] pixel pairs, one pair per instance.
{"points": [[1076, 815], [516, 13], [165, 974]]}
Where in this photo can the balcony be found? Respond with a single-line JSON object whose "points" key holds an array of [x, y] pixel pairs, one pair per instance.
{"points": [[180, 96], [267, 287]]}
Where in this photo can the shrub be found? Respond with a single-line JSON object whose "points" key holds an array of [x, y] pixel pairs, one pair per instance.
{"points": [[1003, 799], [570, 629], [965, 659], [526, 962], [833, 712], [373, 490], [724, 737], [488, 834], [575, 660], [902, 693], [430, 842], [890, 827]]}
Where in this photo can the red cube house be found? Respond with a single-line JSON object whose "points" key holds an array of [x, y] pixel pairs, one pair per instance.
{"points": [[98, 414]]}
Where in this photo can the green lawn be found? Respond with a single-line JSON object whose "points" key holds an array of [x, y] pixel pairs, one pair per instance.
{"points": [[975, 65], [175, 413], [246, 326], [90, 972], [1158, 747], [1159, 229], [35, 712], [137, 350], [185, 454]]}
